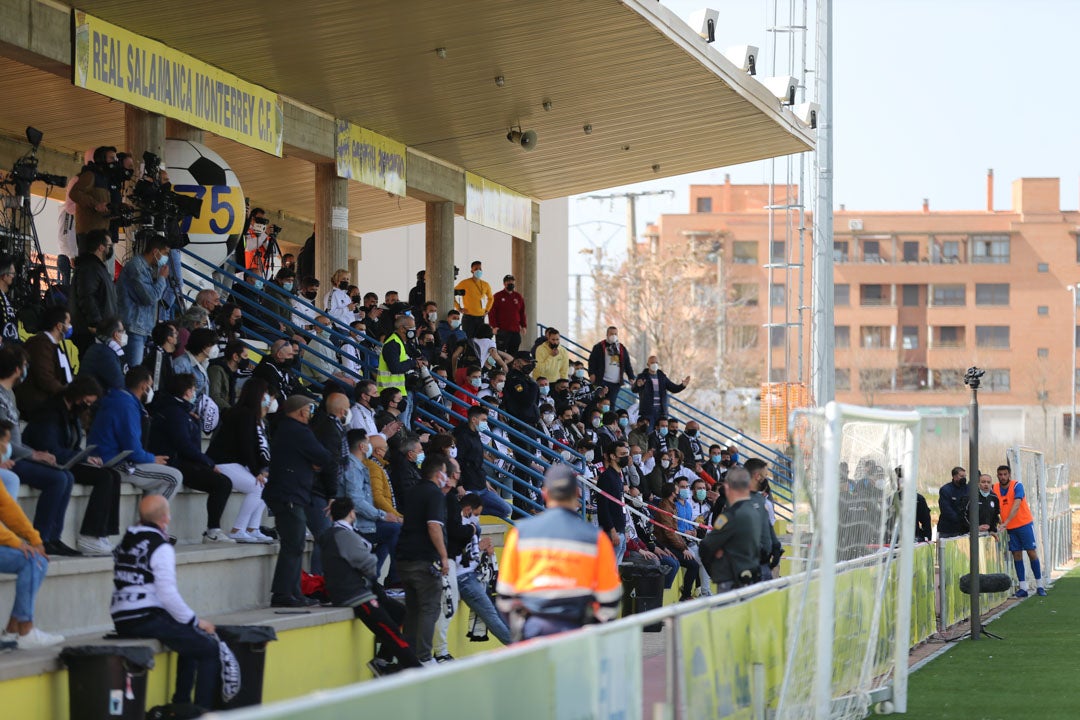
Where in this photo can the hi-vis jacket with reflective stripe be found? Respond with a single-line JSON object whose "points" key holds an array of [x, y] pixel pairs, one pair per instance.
{"points": [[557, 565]]}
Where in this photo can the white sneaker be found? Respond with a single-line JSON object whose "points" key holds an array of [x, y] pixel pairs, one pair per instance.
{"points": [[241, 536], [94, 546], [260, 537], [38, 639], [216, 536]]}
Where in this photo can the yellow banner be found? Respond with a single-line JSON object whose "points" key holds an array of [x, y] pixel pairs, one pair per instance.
{"points": [[497, 207], [146, 74], [368, 157]]}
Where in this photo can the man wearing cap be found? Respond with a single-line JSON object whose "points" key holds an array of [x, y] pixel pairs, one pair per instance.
{"points": [[558, 571], [507, 316], [418, 294], [473, 297], [297, 459]]}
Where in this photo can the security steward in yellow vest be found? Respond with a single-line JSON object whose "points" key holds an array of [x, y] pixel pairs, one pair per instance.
{"points": [[731, 551], [395, 361], [558, 572]]}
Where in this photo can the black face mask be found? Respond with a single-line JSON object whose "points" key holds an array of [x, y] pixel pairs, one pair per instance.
{"points": [[528, 367], [238, 324], [691, 433], [109, 254], [726, 463], [355, 298], [510, 287], [343, 285], [623, 461], [309, 294]]}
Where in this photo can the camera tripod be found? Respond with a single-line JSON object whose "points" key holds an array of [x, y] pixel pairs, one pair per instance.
{"points": [[19, 239]]}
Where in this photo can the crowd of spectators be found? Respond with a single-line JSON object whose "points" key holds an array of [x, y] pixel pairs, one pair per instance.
{"points": [[326, 407]]}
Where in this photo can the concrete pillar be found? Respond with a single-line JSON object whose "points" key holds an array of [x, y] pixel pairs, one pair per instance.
{"points": [[523, 262], [331, 222], [439, 254], [182, 131], [143, 131]]}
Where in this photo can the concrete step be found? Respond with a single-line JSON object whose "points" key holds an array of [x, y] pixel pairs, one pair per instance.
{"points": [[213, 579], [188, 511]]}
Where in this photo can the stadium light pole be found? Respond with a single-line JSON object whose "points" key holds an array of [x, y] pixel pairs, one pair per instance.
{"points": [[972, 379]]}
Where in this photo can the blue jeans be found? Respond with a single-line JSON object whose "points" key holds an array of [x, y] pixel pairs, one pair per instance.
{"points": [[199, 662], [55, 486], [317, 522], [135, 349], [536, 626], [494, 505], [474, 595], [11, 482], [671, 569], [406, 415], [385, 539], [29, 574], [620, 549]]}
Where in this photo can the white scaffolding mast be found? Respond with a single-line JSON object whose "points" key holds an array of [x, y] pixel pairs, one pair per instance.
{"points": [[822, 342]]}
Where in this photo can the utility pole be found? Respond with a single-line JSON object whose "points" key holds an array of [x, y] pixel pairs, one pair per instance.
{"points": [[631, 259]]}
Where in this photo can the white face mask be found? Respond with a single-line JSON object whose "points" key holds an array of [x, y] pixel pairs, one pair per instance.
{"points": [[453, 451], [215, 352], [636, 457], [589, 455], [273, 406], [665, 463], [549, 418], [433, 316], [150, 396], [122, 341], [653, 367], [613, 339], [497, 387]]}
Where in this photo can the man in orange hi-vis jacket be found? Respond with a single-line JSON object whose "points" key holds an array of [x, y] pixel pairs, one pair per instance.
{"points": [[557, 571], [1017, 520]]}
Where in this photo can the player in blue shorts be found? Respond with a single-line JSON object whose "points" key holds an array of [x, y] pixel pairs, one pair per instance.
{"points": [[1018, 521]]}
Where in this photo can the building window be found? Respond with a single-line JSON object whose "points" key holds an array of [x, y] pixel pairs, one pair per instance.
{"points": [[777, 335], [992, 336], [1044, 267], [948, 379], [704, 204], [911, 378], [949, 336], [873, 295], [842, 294], [949, 296], [911, 251], [843, 378], [745, 294], [744, 252], [991, 293], [911, 296], [875, 336], [950, 250], [778, 297], [910, 337], [871, 251], [779, 252], [996, 381], [840, 251], [990, 249], [1044, 352], [875, 379], [842, 336], [744, 337]]}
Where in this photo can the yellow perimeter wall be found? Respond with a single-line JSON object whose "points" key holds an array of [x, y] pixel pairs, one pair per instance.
{"points": [[299, 662]]}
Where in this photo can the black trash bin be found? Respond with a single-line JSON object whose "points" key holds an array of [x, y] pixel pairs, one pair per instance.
{"points": [[248, 644], [106, 682], [643, 590]]}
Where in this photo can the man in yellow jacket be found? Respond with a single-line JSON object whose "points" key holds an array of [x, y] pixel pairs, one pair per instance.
{"points": [[557, 570], [22, 554], [552, 359], [473, 297]]}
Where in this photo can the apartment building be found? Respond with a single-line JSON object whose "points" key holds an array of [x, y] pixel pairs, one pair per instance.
{"points": [[920, 295]]}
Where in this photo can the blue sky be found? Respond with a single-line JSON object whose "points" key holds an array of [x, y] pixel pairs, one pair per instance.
{"points": [[928, 95]]}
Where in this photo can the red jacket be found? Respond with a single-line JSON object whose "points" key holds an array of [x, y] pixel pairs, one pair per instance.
{"points": [[508, 312]]}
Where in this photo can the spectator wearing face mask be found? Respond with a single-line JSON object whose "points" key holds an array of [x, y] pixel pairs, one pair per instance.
{"points": [[714, 466], [93, 290], [201, 348], [507, 316], [691, 448], [175, 433], [159, 358], [139, 290], [468, 396], [105, 360], [609, 510], [241, 449], [473, 297], [224, 372], [449, 330], [308, 293], [609, 363], [339, 305], [652, 387], [552, 359]]}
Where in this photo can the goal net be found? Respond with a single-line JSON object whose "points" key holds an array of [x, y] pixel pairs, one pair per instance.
{"points": [[849, 609], [1047, 492]]}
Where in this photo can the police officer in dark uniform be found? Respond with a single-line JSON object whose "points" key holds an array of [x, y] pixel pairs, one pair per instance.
{"points": [[731, 551], [521, 400]]}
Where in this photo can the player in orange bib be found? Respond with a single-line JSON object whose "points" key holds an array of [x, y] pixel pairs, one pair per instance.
{"points": [[1018, 521]]}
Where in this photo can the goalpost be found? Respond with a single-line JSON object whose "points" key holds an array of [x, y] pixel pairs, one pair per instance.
{"points": [[849, 613]]}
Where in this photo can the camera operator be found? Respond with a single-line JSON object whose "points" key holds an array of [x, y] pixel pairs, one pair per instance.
{"points": [[258, 242], [97, 194], [9, 323]]}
